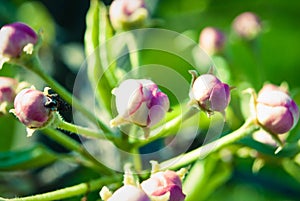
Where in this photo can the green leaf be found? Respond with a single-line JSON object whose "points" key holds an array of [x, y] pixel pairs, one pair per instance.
{"points": [[98, 31], [32, 157], [7, 127], [7, 11], [292, 168], [289, 149]]}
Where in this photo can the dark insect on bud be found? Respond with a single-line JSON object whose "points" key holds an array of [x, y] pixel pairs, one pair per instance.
{"points": [[55, 102]]}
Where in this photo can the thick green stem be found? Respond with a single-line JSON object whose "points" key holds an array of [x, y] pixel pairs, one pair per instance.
{"points": [[168, 127], [201, 152], [34, 65], [75, 146], [87, 132], [80, 189]]}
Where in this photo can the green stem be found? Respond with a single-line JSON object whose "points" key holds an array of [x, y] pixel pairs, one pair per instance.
{"points": [[133, 51], [79, 189], [34, 65], [75, 146], [137, 162], [61, 124], [168, 127], [201, 152], [134, 59]]}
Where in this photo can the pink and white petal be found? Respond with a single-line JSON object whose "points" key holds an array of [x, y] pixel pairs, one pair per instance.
{"points": [[156, 114], [128, 96], [140, 116], [219, 97], [275, 119], [274, 98]]}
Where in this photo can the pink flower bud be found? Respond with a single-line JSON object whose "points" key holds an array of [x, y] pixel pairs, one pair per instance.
{"points": [[30, 108], [140, 102], [129, 193], [247, 25], [14, 37], [276, 110], [128, 14], [211, 40], [7, 89], [161, 183], [210, 93]]}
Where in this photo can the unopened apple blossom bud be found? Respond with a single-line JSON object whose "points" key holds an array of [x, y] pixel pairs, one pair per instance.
{"points": [[14, 37], [211, 40], [139, 101], [128, 14], [129, 193], [8, 88], [30, 108], [276, 111], [247, 25], [161, 183], [209, 93]]}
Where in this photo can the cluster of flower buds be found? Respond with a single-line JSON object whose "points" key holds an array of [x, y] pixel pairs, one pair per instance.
{"points": [[140, 102], [161, 186], [16, 38], [247, 25], [209, 93], [276, 111], [128, 14], [212, 40]]}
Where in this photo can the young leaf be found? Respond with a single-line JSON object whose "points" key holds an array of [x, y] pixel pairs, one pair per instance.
{"points": [[98, 31], [32, 157]]}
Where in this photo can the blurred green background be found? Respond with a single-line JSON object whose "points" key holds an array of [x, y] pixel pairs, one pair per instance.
{"points": [[272, 57]]}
